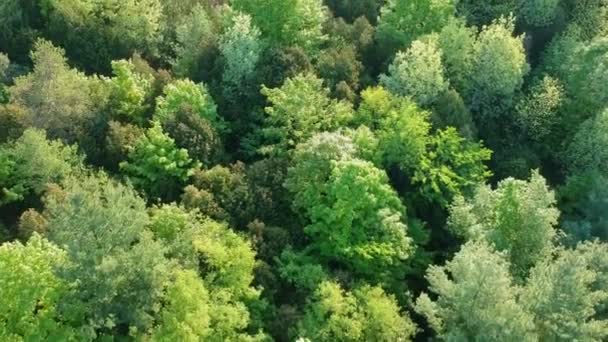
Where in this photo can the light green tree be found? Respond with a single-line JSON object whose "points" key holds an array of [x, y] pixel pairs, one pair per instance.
{"points": [[365, 314], [476, 298], [298, 109], [32, 292], [499, 66], [417, 73], [240, 47], [567, 294], [288, 22], [156, 165], [403, 21], [538, 112], [186, 95], [129, 91], [518, 217], [452, 166]]}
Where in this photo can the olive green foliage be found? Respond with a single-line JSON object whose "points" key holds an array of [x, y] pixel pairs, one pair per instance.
{"points": [[402, 21], [365, 314], [53, 96], [518, 217], [96, 32], [156, 165], [196, 39], [31, 162], [298, 109], [476, 298], [417, 73], [32, 292]]}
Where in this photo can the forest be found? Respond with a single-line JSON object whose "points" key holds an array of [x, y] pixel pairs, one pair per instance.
{"points": [[304, 170]]}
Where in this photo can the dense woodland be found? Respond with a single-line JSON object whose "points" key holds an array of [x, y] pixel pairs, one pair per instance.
{"points": [[304, 170]]}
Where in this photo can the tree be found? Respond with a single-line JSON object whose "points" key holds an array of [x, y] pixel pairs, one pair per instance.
{"points": [[365, 314], [417, 73], [55, 97], [129, 92], [31, 162], [518, 217], [453, 166], [476, 299], [587, 151], [300, 108], [583, 199], [195, 47], [241, 49], [567, 294], [355, 216], [499, 67], [402, 21], [457, 43], [97, 32], [186, 95], [288, 23], [32, 292], [351, 10], [538, 112], [185, 316], [340, 67], [117, 269], [483, 13], [156, 165], [540, 13]]}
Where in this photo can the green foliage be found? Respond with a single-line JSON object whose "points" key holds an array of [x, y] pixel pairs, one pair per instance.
{"points": [[97, 32], [156, 165], [518, 217], [540, 13], [484, 12], [451, 111], [538, 112], [588, 150], [241, 49], [340, 68], [583, 201], [196, 39], [452, 166], [457, 43], [300, 108], [417, 73], [499, 66], [117, 270], [32, 292], [53, 96], [355, 216], [366, 314], [288, 22], [186, 315], [476, 299], [129, 91], [403, 21], [567, 294], [186, 95], [30, 163]]}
